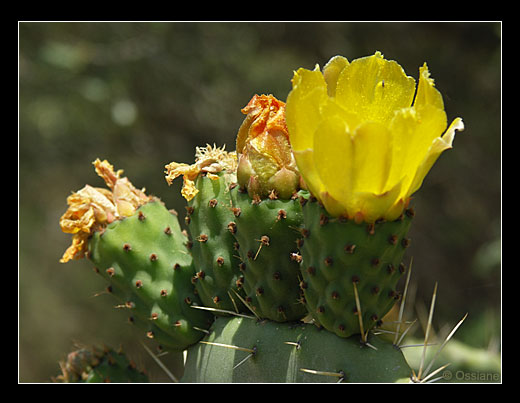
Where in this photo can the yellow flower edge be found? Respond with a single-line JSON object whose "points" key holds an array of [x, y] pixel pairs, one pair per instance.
{"points": [[364, 137]]}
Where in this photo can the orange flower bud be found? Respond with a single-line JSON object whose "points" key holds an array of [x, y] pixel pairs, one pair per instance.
{"points": [[265, 159]]}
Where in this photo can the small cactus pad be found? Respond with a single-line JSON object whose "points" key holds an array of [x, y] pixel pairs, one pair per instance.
{"points": [[341, 257], [267, 231], [214, 249], [96, 365], [146, 261], [246, 350]]}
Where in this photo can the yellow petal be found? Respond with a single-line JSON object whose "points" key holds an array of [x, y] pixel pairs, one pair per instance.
{"points": [[91, 209], [334, 160], [422, 145], [353, 167], [207, 159], [305, 160], [77, 249], [427, 94], [333, 206], [331, 72], [330, 108], [372, 157], [439, 145], [189, 190], [106, 171], [189, 174], [101, 200], [87, 207], [396, 209], [413, 134], [127, 198], [373, 206], [374, 88], [302, 111]]}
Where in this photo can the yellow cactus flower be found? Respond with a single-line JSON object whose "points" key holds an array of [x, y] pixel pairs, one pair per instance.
{"points": [[90, 209], [266, 165], [363, 137]]}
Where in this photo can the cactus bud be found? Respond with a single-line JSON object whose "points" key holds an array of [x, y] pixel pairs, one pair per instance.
{"points": [[266, 162]]}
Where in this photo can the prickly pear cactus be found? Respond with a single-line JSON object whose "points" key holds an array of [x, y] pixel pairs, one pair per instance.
{"points": [[267, 232], [97, 365], [268, 214], [210, 224], [247, 350], [347, 266], [295, 241], [137, 245], [210, 218], [146, 262]]}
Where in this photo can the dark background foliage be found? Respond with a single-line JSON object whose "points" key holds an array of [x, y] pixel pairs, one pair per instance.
{"points": [[144, 94]]}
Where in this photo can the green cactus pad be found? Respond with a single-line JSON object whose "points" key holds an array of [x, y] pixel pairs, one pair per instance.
{"points": [[146, 261], [214, 249], [267, 232], [96, 365], [245, 350], [338, 253]]}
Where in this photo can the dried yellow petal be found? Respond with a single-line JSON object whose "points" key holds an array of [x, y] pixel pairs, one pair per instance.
{"points": [[210, 160], [90, 209]]}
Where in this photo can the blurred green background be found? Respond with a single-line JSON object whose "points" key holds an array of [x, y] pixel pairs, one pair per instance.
{"points": [[144, 94]]}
